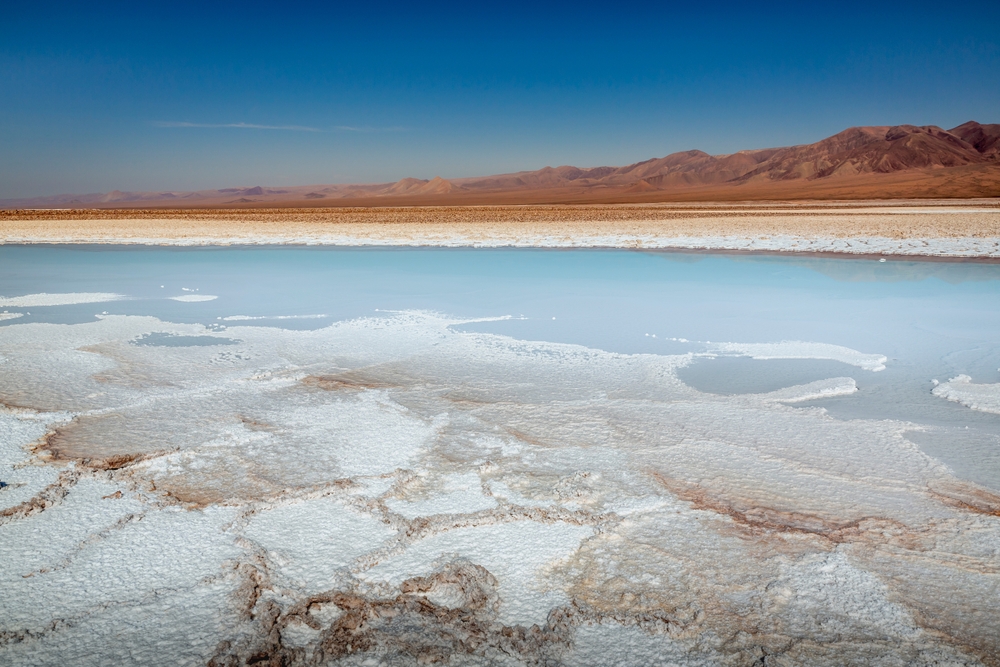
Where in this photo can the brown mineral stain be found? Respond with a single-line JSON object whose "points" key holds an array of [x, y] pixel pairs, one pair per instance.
{"points": [[254, 424], [968, 497], [51, 495], [84, 440], [408, 625], [759, 520], [343, 382]]}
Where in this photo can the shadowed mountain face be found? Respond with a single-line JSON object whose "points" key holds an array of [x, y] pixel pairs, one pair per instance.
{"points": [[984, 138], [858, 150], [881, 150], [880, 161]]}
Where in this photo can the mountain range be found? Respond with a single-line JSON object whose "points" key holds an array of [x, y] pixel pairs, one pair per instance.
{"points": [[900, 161]]}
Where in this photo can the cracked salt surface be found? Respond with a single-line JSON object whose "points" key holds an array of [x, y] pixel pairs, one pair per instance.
{"points": [[23, 481], [456, 494], [515, 553], [369, 465], [312, 541], [397, 489]]}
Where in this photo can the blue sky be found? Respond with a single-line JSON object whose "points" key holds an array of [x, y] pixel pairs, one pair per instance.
{"points": [[156, 96]]}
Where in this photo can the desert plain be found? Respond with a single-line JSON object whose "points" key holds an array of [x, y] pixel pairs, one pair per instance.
{"points": [[968, 227]]}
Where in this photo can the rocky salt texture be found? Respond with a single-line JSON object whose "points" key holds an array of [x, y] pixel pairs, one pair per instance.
{"points": [[961, 389], [389, 491]]}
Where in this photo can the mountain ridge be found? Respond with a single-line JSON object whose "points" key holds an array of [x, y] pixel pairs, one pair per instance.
{"points": [[863, 158]]}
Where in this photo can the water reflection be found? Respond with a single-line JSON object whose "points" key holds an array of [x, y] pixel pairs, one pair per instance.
{"points": [[857, 269]]}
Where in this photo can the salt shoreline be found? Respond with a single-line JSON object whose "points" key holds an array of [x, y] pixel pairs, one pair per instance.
{"points": [[982, 249], [944, 229]]}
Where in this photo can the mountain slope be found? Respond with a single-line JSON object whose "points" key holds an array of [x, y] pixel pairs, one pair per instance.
{"points": [[879, 161], [857, 150]]}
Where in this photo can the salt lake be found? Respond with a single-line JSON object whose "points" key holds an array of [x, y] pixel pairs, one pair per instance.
{"points": [[496, 456]]}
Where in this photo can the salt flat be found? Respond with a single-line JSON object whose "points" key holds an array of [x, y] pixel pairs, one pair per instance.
{"points": [[480, 457], [951, 228]]}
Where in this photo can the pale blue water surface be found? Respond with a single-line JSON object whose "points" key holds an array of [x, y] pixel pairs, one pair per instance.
{"points": [[933, 320]]}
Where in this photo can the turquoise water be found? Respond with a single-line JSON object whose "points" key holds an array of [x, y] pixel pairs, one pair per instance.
{"points": [[933, 320], [602, 298]]}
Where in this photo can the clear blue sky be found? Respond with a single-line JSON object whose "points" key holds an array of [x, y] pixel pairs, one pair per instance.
{"points": [[155, 96]]}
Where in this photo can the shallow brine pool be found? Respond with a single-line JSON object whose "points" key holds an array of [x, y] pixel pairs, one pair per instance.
{"points": [[496, 457]]}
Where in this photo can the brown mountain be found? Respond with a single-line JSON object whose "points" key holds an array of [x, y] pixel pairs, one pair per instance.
{"points": [[860, 162], [984, 138], [855, 151], [866, 150], [416, 186]]}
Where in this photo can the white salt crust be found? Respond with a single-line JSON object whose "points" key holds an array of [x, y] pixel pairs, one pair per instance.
{"points": [[794, 349], [455, 494], [245, 318], [814, 390], [312, 541], [872, 245], [666, 526], [961, 389], [67, 299], [18, 429], [515, 553], [193, 298]]}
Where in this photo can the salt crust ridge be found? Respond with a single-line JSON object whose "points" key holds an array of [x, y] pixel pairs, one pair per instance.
{"points": [[795, 349], [244, 318], [43, 299], [961, 389], [193, 298], [873, 245], [813, 390], [311, 498]]}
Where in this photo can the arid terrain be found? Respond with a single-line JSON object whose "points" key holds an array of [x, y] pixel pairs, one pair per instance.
{"points": [[903, 161], [867, 190], [969, 228]]}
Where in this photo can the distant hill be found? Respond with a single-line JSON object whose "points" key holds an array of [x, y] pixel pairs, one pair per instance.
{"points": [[855, 151], [860, 162]]}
